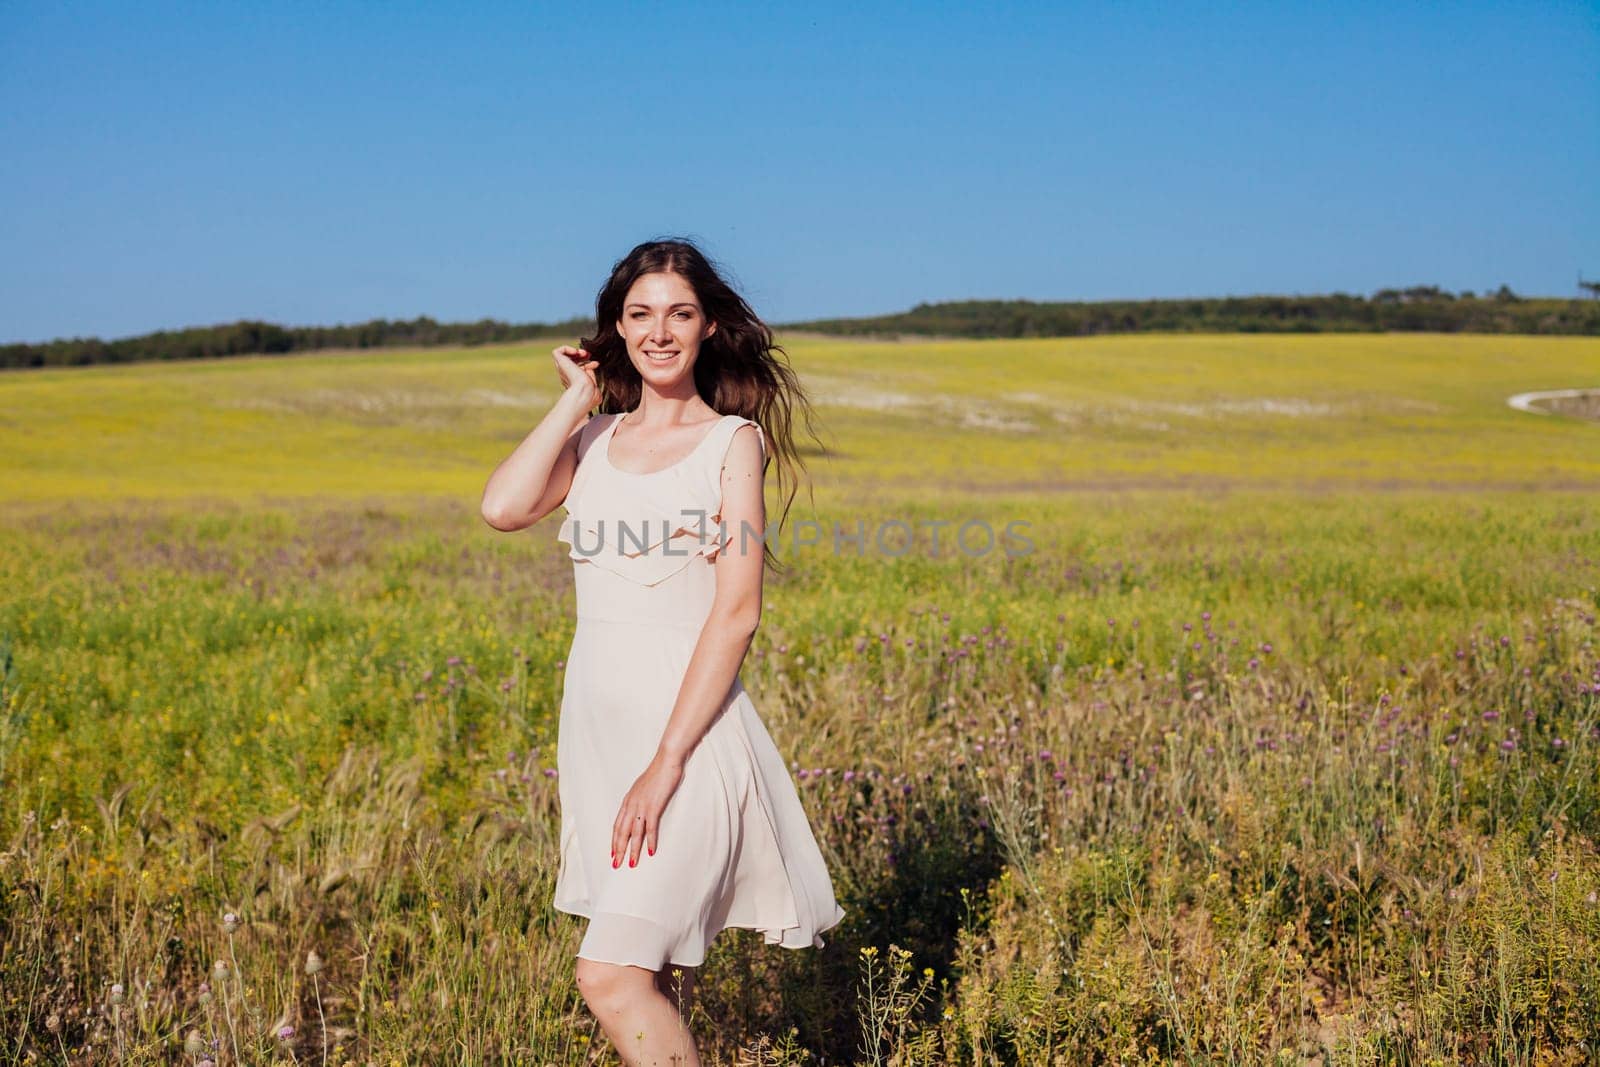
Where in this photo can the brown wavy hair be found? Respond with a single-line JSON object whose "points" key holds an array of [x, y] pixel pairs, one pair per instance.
{"points": [[738, 370]]}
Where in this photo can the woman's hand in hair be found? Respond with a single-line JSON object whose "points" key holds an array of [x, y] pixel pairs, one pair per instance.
{"points": [[577, 368]]}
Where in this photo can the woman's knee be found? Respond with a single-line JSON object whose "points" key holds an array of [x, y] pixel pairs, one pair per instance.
{"points": [[602, 984]]}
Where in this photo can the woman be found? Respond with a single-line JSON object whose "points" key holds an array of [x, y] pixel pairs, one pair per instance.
{"points": [[678, 815]]}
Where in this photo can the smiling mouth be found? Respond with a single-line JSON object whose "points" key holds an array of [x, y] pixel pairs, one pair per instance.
{"points": [[661, 357]]}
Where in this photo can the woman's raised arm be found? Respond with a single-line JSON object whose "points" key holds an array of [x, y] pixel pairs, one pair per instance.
{"points": [[534, 479]]}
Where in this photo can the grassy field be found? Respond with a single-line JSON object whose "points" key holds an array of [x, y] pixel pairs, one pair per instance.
{"points": [[1272, 740]]}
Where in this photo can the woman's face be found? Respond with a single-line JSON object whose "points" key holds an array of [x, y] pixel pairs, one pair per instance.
{"points": [[663, 325]]}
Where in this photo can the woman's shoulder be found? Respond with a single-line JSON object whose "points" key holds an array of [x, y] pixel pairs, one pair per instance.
{"points": [[594, 428], [727, 429]]}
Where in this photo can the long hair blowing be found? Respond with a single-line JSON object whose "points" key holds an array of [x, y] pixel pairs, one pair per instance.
{"points": [[738, 370]]}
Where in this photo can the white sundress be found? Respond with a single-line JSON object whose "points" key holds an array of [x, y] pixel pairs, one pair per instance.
{"points": [[735, 848]]}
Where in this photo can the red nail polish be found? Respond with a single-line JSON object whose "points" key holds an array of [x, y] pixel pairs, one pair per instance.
{"points": [[634, 862], [616, 862], [652, 852]]}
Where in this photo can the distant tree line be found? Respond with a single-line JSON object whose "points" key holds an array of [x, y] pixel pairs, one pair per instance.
{"points": [[265, 338], [1420, 308]]}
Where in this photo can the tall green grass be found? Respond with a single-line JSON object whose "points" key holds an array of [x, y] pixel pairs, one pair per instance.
{"points": [[1292, 762]]}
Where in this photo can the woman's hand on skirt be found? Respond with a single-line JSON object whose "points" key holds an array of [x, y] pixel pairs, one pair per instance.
{"points": [[640, 816]]}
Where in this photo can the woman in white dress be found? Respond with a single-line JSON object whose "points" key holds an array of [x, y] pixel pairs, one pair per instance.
{"points": [[678, 815]]}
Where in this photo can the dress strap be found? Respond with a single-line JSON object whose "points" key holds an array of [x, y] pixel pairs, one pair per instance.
{"points": [[721, 437]]}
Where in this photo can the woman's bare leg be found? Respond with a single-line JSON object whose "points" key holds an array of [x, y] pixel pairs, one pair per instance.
{"points": [[639, 1019]]}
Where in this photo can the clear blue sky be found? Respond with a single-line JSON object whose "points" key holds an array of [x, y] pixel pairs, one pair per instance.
{"points": [[329, 162]]}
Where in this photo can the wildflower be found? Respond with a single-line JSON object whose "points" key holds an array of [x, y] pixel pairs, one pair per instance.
{"points": [[313, 962], [453, 661], [230, 923], [1266, 647], [219, 970], [1490, 716], [1508, 745], [203, 995], [116, 993], [194, 1043], [285, 1032]]}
